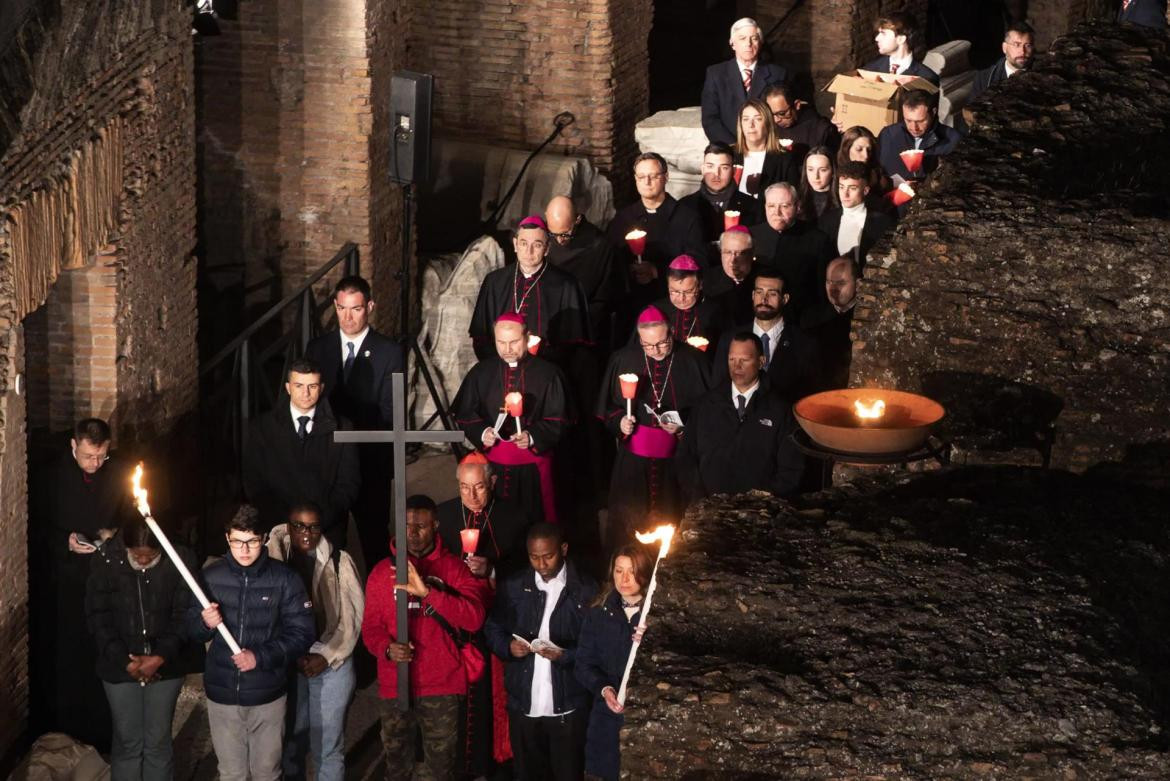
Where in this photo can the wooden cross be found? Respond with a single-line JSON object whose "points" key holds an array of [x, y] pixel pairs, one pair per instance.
{"points": [[398, 437]]}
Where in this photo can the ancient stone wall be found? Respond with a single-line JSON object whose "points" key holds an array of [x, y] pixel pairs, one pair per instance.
{"points": [[504, 68], [95, 64], [979, 623], [293, 150], [1026, 288]]}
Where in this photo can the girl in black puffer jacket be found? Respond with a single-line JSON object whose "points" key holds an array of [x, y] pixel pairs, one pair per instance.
{"points": [[135, 604]]}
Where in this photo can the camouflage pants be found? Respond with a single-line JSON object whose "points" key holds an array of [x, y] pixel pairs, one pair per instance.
{"points": [[438, 719]]}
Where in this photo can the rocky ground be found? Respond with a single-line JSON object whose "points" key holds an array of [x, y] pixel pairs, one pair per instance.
{"points": [[996, 622]]}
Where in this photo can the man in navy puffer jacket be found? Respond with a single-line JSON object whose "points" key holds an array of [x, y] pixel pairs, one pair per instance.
{"points": [[265, 607]]}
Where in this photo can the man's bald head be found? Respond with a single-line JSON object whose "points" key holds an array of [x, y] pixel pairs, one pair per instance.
{"points": [[561, 216]]}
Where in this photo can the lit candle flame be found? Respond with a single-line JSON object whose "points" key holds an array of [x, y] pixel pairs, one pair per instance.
{"points": [[871, 411], [698, 342], [662, 534], [139, 492], [533, 344]]}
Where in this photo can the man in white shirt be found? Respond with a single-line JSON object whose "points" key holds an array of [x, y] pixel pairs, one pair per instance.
{"points": [[853, 227], [534, 627]]}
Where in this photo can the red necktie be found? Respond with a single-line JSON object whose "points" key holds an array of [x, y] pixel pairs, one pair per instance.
{"points": [[893, 67], [747, 80]]}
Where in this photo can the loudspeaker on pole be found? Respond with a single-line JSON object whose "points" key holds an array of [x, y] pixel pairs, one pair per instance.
{"points": [[410, 126]]}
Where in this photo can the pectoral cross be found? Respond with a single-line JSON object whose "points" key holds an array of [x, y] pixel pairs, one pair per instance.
{"points": [[399, 437]]}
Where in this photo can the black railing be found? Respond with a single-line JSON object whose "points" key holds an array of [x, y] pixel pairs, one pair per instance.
{"points": [[244, 378]]}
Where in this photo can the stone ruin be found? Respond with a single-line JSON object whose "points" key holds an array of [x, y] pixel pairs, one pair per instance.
{"points": [[991, 619]]}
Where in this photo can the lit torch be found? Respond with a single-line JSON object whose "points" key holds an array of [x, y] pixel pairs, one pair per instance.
{"points": [[730, 219], [144, 508], [902, 195], [912, 159], [870, 413], [663, 535], [700, 343], [470, 540], [533, 344]]}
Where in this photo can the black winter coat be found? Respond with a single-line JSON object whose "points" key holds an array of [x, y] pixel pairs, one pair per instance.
{"points": [[281, 471], [602, 651], [720, 454], [132, 611], [519, 609], [267, 611]]}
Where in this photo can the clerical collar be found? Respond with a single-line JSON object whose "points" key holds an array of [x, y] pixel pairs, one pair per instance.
{"points": [[512, 364], [357, 338], [529, 276]]}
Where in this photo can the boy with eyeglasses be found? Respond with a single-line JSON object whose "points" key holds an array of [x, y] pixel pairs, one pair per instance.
{"points": [[267, 611]]}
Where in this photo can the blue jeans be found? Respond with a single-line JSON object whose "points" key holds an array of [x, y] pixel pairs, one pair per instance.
{"points": [[316, 723], [142, 715]]}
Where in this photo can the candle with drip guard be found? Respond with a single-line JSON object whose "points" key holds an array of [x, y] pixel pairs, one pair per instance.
{"points": [[533, 344], [730, 219], [698, 342], [629, 391], [514, 404], [470, 539], [636, 239], [663, 534], [144, 509]]}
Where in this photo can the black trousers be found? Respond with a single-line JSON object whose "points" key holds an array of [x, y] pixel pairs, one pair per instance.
{"points": [[549, 747]]}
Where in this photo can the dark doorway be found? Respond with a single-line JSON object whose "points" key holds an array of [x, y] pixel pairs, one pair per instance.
{"points": [[687, 36]]}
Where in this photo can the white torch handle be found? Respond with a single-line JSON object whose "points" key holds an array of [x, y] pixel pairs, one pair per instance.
{"points": [[629, 408], [519, 428], [191, 582], [621, 695]]}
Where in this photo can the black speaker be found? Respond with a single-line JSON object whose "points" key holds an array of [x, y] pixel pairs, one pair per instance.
{"points": [[410, 127]]}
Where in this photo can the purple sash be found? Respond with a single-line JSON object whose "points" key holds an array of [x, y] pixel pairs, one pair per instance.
{"points": [[651, 442]]}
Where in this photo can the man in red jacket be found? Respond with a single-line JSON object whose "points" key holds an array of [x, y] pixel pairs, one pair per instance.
{"points": [[440, 585]]}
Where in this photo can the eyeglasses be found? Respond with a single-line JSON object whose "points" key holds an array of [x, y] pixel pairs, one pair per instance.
{"points": [[250, 544], [305, 528], [785, 113], [657, 345], [686, 295], [566, 235]]}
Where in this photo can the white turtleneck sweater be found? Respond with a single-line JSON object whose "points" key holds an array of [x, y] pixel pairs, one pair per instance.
{"points": [[852, 221]]}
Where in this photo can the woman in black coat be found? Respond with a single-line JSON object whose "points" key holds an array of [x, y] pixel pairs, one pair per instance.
{"points": [[135, 603], [602, 650]]}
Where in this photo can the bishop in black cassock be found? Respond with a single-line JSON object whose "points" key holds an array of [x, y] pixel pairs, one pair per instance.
{"points": [[689, 313], [523, 458], [548, 299], [671, 377]]}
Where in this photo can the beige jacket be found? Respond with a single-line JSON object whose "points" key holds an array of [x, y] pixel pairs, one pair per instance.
{"points": [[339, 598]]}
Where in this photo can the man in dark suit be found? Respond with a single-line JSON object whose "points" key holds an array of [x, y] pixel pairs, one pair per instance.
{"points": [[919, 129], [794, 247], [798, 122], [1147, 13], [356, 363], [291, 458], [829, 323], [730, 83], [1017, 56], [718, 193], [854, 227], [895, 44]]}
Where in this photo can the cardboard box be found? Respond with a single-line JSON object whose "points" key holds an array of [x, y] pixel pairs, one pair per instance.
{"points": [[870, 99]]}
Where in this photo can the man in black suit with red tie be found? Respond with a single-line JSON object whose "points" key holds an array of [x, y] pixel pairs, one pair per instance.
{"points": [[730, 83], [356, 363]]}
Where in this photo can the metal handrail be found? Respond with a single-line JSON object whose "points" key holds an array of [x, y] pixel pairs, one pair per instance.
{"points": [[348, 253]]}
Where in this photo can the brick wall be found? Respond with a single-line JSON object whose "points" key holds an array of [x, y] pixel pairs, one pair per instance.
{"points": [[94, 63], [286, 144], [504, 68]]}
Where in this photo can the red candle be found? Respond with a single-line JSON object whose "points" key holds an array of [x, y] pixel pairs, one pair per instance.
{"points": [[514, 402], [902, 195], [636, 239], [470, 538], [533, 344], [629, 390], [912, 159], [786, 144], [698, 342], [730, 219], [737, 172]]}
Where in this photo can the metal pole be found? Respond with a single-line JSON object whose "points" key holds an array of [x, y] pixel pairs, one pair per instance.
{"points": [[306, 319], [401, 564], [353, 262]]}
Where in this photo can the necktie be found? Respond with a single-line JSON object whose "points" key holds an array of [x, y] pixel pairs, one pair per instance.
{"points": [[347, 367], [767, 342], [894, 67], [740, 405], [918, 143], [303, 427], [747, 80]]}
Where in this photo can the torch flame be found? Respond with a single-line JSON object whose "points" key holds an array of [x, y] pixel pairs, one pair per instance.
{"points": [[662, 534], [871, 411], [139, 492]]}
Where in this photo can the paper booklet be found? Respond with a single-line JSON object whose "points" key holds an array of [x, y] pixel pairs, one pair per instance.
{"points": [[669, 416], [538, 644]]}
